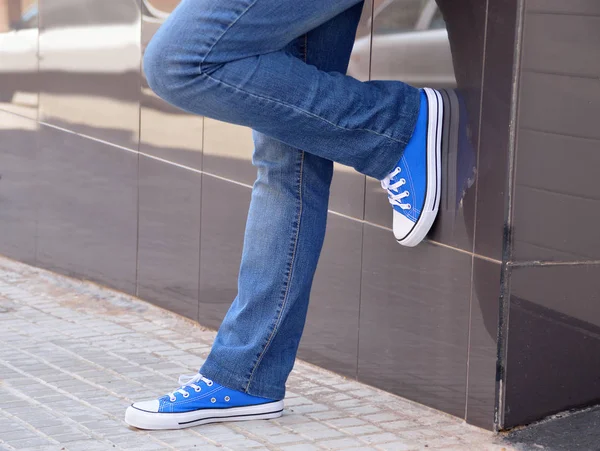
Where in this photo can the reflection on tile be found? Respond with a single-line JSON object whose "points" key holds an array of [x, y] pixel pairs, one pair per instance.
{"points": [[347, 195], [18, 183], [495, 121], [228, 151], [87, 223], [483, 349], [377, 208], [414, 320], [553, 345], [90, 67], [169, 133], [330, 337], [466, 24], [410, 44], [224, 211], [455, 222], [169, 236], [19, 56], [166, 131]]}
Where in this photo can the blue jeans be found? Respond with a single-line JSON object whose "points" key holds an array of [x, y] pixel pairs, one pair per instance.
{"points": [[277, 66]]}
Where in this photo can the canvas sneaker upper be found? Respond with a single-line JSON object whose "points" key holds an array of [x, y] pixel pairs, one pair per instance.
{"points": [[413, 186]]}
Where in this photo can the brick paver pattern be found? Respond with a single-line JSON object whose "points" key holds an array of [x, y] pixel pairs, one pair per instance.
{"points": [[74, 355]]}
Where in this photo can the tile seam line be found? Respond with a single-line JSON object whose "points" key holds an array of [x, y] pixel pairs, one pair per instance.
{"points": [[476, 203], [549, 132], [245, 185], [559, 74], [540, 12], [554, 192], [542, 263]]}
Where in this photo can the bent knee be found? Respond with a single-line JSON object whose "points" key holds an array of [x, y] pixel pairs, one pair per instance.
{"points": [[167, 68]]}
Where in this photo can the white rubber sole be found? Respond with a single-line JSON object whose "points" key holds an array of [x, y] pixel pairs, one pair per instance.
{"points": [[142, 419], [434, 172]]}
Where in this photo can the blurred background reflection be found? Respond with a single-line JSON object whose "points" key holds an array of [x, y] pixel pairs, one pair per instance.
{"points": [[89, 67], [19, 56]]}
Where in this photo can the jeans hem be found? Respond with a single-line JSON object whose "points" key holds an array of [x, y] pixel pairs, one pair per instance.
{"points": [[233, 381]]}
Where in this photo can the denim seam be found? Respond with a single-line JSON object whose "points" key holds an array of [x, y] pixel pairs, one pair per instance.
{"points": [[300, 110], [225, 31], [289, 277]]}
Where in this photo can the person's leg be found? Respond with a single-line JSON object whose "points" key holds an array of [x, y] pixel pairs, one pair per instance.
{"points": [[257, 343], [227, 60]]}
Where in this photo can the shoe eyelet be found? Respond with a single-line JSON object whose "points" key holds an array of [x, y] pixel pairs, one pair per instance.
{"points": [[227, 398], [213, 400], [198, 389], [172, 399], [409, 207], [406, 193], [209, 383], [187, 395]]}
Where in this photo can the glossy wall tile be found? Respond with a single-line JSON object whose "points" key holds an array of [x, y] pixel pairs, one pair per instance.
{"points": [[558, 140], [330, 336], [166, 131], [87, 219], [414, 320], [19, 57], [169, 236], [553, 345], [483, 343], [90, 67], [495, 128], [228, 151], [224, 210], [18, 183]]}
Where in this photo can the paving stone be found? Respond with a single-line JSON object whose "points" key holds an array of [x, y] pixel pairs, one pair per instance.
{"points": [[87, 352]]}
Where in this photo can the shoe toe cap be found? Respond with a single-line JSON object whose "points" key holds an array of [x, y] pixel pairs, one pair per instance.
{"points": [[147, 406], [402, 225]]}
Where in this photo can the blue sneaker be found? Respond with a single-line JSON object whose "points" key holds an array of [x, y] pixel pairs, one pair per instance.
{"points": [[200, 401], [414, 186]]}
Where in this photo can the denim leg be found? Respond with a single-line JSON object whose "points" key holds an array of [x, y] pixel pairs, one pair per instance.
{"points": [[256, 345], [228, 60]]}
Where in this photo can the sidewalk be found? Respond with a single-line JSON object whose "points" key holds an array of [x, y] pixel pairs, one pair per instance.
{"points": [[74, 355]]}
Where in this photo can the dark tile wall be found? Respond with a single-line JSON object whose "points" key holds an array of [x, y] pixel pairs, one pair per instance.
{"points": [[483, 342], [552, 329], [87, 209], [18, 186], [553, 345], [414, 320], [114, 185], [169, 236]]}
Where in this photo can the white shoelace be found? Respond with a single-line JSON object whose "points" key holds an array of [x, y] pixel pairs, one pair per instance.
{"points": [[189, 381], [395, 197]]}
